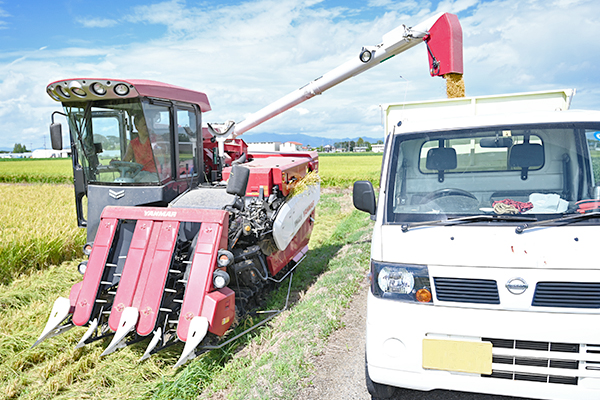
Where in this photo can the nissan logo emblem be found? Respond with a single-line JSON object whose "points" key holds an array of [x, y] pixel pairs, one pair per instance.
{"points": [[517, 285]]}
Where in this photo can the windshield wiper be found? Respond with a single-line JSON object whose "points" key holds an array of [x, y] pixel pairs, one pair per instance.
{"points": [[470, 219], [564, 220]]}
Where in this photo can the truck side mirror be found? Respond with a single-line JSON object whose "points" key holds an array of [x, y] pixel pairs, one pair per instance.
{"points": [[363, 197], [56, 136]]}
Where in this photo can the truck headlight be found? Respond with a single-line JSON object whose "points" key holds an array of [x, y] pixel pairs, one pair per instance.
{"points": [[405, 282]]}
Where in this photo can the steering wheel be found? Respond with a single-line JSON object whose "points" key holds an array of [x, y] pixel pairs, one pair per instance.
{"points": [[446, 192], [126, 167]]}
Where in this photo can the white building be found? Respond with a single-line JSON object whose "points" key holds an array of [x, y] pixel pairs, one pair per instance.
{"points": [[264, 146], [44, 153], [291, 146], [274, 146], [377, 148]]}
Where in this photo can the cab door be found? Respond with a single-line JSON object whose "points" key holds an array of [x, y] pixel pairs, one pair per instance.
{"points": [[188, 148]]}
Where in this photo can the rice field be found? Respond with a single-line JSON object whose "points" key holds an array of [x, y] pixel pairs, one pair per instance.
{"points": [[56, 170], [37, 228], [342, 170], [335, 170], [40, 246]]}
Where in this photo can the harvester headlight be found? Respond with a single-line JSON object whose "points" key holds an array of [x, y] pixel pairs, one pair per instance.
{"points": [[62, 92], [52, 94], [82, 267], [87, 249], [76, 89], [220, 279], [98, 88], [404, 282], [78, 92], [224, 258], [365, 55], [121, 89]]}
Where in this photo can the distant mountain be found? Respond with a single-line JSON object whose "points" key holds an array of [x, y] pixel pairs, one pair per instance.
{"points": [[306, 140]]}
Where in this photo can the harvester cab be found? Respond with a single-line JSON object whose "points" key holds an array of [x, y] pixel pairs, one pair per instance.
{"points": [[133, 143], [173, 253]]}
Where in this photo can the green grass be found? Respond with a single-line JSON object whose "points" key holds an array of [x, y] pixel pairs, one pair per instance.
{"points": [[270, 363]]}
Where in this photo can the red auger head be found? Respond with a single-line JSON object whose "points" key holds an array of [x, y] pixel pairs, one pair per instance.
{"points": [[445, 46]]}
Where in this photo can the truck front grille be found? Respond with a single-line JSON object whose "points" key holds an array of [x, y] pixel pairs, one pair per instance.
{"points": [[462, 290], [567, 294], [544, 362]]}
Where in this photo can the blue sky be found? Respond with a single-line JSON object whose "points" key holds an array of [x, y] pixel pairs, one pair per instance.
{"points": [[246, 54]]}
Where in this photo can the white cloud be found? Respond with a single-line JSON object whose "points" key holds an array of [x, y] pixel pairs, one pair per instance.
{"points": [[98, 22], [3, 14], [247, 55]]}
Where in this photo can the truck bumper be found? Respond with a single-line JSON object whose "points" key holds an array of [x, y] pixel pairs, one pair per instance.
{"points": [[535, 355]]}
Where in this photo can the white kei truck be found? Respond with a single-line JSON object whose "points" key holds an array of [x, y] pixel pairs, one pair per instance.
{"points": [[485, 257]]}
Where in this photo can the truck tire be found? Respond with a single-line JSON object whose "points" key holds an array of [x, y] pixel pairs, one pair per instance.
{"points": [[378, 390]]}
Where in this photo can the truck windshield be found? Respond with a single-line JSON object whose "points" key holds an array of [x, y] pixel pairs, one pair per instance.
{"points": [[535, 171], [121, 141]]}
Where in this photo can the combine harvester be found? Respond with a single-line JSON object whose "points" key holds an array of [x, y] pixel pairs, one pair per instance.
{"points": [[173, 252]]}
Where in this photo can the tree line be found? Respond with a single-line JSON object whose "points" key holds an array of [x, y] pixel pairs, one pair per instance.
{"points": [[350, 145]]}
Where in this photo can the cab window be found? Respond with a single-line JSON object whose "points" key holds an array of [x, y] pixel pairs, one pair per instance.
{"points": [[187, 128]]}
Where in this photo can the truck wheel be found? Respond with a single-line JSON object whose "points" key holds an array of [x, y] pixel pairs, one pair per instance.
{"points": [[378, 390]]}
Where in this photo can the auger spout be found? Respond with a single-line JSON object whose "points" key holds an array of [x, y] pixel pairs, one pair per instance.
{"points": [[441, 31]]}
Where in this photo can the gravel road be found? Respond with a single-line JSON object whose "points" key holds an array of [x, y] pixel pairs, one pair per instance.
{"points": [[340, 369]]}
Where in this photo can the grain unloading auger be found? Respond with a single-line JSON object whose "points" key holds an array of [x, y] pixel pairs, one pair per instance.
{"points": [[174, 254]]}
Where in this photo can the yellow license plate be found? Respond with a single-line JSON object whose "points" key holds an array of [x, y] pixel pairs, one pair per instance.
{"points": [[454, 355]]}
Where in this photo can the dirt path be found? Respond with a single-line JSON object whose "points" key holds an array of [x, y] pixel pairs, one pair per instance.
{"points": [[340, 369]]}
